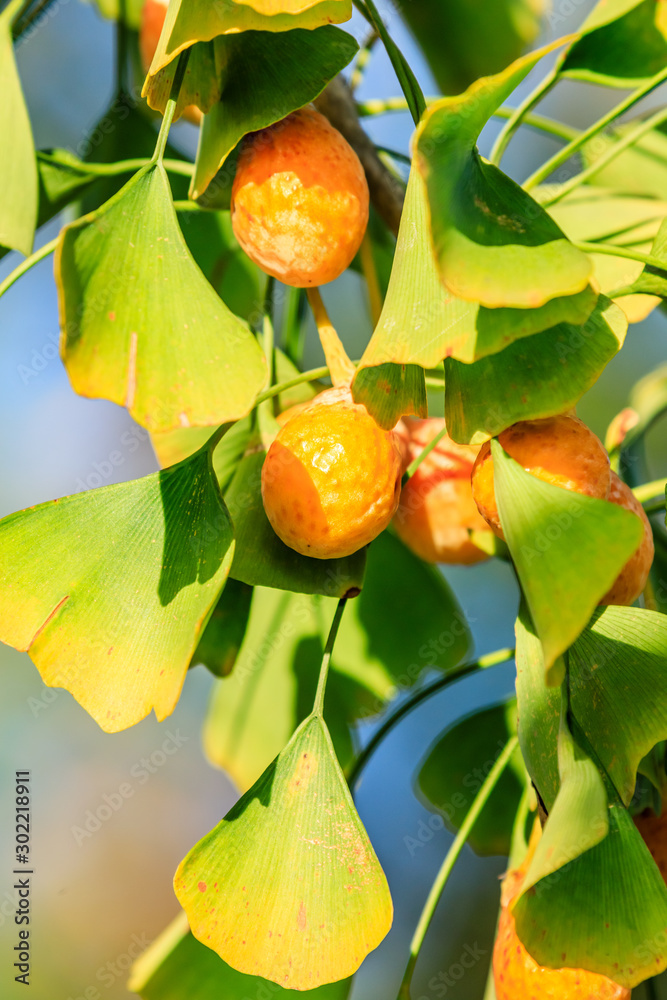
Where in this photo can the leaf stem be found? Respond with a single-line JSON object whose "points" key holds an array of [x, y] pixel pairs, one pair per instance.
{"points": [[408, 81], [14, 10], [516, 118], [169, 110], [648, 491], [560, 130], [309, 376], [318, 706], [483, 663], [26, 264], [563, 155], [612, 250], [362, 60], [450, 860], [184, 167], [341, 368], [424, 453], [614, 151]]}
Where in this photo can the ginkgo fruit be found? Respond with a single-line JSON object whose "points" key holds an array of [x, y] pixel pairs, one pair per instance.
{"points": [[153, 13], [436, 513], [631, 581], [331, 478], [516, 974], [560, 450], [299, 203]]}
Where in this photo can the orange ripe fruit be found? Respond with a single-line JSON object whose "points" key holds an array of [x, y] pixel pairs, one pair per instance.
{"points": [[517, 976], [632, 579], [560, 450], [299, 200], [436, 512], [153, 14], [331, 478], [654, 831]]}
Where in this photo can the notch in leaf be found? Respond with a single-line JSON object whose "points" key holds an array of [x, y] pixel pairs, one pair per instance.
{"points": [[141, 325], [287, 886], [493, 243], [109, 590], [567, 548]]}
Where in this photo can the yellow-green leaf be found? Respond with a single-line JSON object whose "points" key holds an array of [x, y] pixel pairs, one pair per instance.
{"points": [[567, 548], [18, 168], [494, 244], [109, 590], [287, 886], [140, 323], [177, 966]]}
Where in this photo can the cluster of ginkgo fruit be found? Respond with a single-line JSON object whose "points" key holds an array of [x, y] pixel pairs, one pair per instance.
{"points": [[332, 478]]}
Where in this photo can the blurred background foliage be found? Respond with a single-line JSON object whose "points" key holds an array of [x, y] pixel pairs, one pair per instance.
{"points": [[100, 898]]}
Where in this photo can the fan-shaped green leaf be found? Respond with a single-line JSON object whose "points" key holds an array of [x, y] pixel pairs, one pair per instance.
{"points": [[493, 243], [141, 326], [422, 322], [605, 910], [456, 767], [618, 688], [177, 965], [222, 638], [567, 548], [623, 43], [592, 214], [255, 710], [296, 67], [18, 169], [538, 710], [538, 376], [288, 886], [208, 27], [463, 41], [109, 590], [388, 636]]}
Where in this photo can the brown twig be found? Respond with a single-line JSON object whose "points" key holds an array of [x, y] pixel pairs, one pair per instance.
{"points": [[387, 193]]}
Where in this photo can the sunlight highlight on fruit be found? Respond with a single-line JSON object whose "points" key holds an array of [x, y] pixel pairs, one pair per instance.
{"points": [[436, 512], [299, 200], [332, 477], [560, 450]]}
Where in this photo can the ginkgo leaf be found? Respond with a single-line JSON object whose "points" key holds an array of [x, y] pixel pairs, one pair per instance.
{"points": [[204, 26], [296, 67], [534, 377], [494, 244], [422, 322], [140, 323], [568, 549], [222, 638], [287, 886], [177, 966], [18, 168], [623, 43], [109, 590]]}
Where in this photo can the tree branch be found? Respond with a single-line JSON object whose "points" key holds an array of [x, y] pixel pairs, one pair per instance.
{"points": [[387, 193]]}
